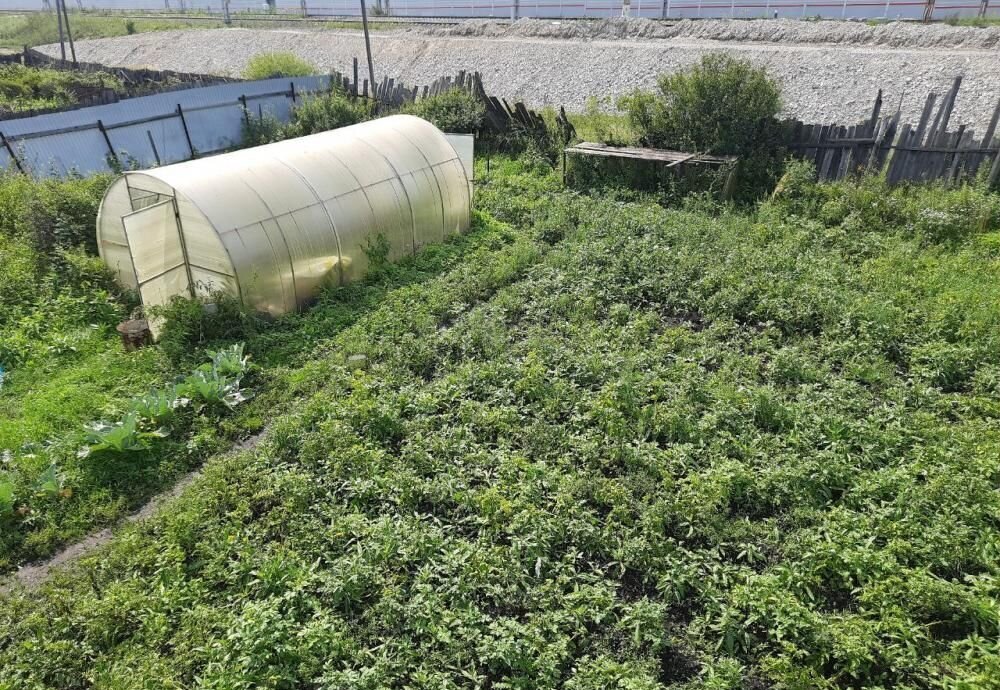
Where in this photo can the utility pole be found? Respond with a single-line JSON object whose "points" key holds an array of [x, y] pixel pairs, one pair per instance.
{"points": [[929, 11], [368, 46], [62, 38], [69, 34]]}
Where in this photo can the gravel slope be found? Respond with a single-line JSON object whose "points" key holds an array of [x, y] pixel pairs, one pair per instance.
{"points": [[821, 82]]}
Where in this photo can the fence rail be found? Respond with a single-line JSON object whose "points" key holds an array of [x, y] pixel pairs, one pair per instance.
{"points": [[389, 10], [905, 152]]}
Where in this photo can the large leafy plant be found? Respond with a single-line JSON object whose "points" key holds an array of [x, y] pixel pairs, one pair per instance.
{"points": [[124, 437]]}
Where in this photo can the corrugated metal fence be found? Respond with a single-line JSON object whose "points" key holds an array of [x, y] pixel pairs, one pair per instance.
{"points": [[148, 130]]}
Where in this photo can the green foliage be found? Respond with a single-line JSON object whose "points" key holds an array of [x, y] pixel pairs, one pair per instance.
{"points": [[607, 445], [159, 406], [72, 481], [192, 325], [6, 499], [34, 88], [326, 111], [315, 113], [123, 437], [260, 128], [51, 214], [455, 110], [722, 106], [271, 65], [598, 123], [41, 28], [758, 450]]}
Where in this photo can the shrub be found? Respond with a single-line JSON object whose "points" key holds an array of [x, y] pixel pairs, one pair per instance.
{"points": [[271, 65], [455, 110], [189, 325], [29, 88], [330, 110], [51, 214], [260, 129], [722, 106]]}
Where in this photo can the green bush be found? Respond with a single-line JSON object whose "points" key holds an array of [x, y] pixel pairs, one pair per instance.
{"points": [[455, 110], [721, 106], [326, 111], [52, 214], [191, 325], [30, 88], [271, 65]]}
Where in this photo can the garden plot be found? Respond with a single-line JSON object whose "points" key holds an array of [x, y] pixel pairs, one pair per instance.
{"points": [[614, 446]]}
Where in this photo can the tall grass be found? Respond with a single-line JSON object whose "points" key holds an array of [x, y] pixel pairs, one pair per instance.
{"points": [[41, 28]]}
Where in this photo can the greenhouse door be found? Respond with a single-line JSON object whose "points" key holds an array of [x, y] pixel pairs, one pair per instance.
{"points": [[158, 253]]}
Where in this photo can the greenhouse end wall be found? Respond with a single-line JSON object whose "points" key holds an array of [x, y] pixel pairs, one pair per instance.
{"points": [[274, 223]]}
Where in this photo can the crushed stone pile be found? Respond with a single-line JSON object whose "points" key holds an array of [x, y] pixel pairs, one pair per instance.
{"points": [[890, 34], [830, 81]]}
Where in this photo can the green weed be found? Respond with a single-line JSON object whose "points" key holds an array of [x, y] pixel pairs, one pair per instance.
{"points": [[271, 65]]}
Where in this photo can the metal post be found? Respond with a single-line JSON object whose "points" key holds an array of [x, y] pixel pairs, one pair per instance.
{"points": [[152, 145], [928, 10], [305, 10], [843, 10], [984, 6], [368, 43], [10, 150], [226, 18], [187, 134], [69, 34], [62, 38], [107, 140]]}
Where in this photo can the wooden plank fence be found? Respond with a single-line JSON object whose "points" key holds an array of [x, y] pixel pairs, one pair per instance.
{"points": [[918, 152], [500, 117]]}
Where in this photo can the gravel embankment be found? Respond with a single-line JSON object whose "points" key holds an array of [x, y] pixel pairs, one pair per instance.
{"points": [[831, 81]]}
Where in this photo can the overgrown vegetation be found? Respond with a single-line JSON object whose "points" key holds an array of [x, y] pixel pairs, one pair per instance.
{"points": [[615, 446], [64, 367], [455, 110], [720, 106], [271, 65], [451, 111], [32, 88], [41, 28]]}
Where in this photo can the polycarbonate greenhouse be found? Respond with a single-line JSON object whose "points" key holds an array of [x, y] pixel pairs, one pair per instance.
{"points": [[271, 224]]}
